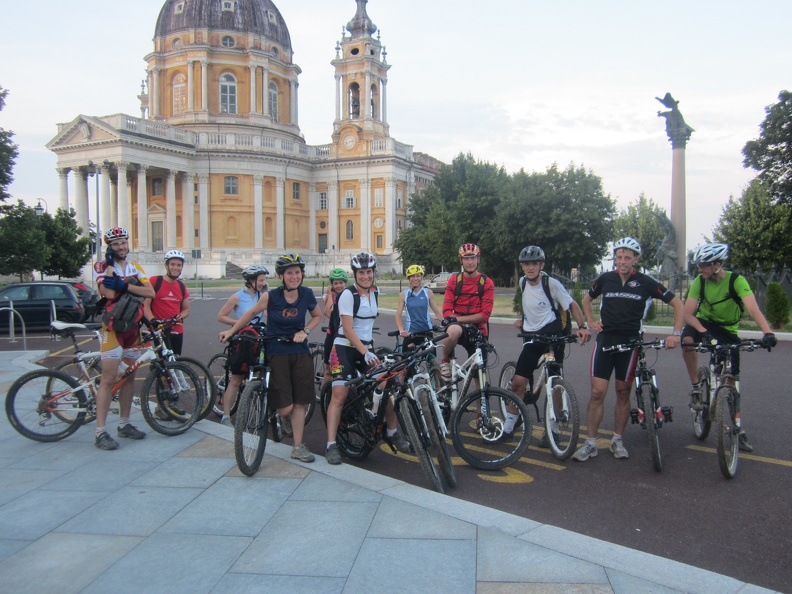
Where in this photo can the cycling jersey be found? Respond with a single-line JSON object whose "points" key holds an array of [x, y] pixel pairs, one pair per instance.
{"points": [[624, 306], [469, 303], [717, 306], [417, 307]]}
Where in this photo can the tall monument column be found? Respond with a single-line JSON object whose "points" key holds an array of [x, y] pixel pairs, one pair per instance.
{"points": [[678, 134]]}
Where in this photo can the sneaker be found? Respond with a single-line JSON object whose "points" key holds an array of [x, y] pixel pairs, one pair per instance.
{"points": [[302, 453], [105, 442], [618, 449], [695, 398], [400, 443], [744, 445], [588, 450], [227, 422], [333, 455], [445, 370], [130, 431], [161, 415], [545, 441], [506, 437], [287, 428]]}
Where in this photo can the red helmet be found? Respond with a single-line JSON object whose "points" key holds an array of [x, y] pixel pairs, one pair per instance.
{"points": [[469, 249], [114, 234]]}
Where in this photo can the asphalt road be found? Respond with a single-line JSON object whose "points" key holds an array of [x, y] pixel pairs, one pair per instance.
{"points": [[689, 512]]}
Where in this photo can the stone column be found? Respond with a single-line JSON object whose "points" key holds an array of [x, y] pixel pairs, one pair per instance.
{"points": [[155, 93], [390, 213], [252, 88], [142, 209], [81, 199], [114, 201], [312, 196], [104, 198], [332, 215], [204, 86], [338, 98], [365, 215], [384, 88], [190, 82], [258, 207], [296, 103], [170, 211], [188, 211], [123, 197], [265, 91], [203, 210], [63, 188], [280, 211], [367, 97]]}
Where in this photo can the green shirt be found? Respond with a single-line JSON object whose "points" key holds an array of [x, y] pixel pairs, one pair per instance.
{"points": [[717, 306]]}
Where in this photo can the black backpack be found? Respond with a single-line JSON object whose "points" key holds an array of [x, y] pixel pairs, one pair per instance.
{"points": [[458, 287], [732, 294], [243, 350], [158, 283], [335, 317], [562, 315]]}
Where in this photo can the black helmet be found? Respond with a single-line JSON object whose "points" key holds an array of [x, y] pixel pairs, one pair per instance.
{"points": [[254, 271], [532, 253], [287, 261]]}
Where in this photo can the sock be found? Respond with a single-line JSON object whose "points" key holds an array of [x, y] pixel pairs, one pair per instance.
{"points": [[224, 418], [391, 432], [123, 423], [100, 430], [329, 443], [592, 441], [616, 437], [511, 421]]}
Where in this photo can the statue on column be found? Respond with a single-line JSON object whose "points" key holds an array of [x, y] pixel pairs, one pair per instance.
{"points": [[677, 129]]}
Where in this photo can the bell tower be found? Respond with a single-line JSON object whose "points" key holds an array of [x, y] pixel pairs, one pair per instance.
{"points": [[361, 74]]}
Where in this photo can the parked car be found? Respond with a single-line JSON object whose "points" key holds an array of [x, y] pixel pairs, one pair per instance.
{"points": [[89, 298], [437, 284], [33, 302]]}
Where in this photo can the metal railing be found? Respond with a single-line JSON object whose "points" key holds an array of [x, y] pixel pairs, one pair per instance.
{"points": [[11, 328]]}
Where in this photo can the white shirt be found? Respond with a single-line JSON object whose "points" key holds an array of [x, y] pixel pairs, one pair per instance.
{"points": [[364, 328], [537, 311]]}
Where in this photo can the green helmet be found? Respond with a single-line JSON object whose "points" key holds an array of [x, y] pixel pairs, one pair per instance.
{"points": [[338, 274]]}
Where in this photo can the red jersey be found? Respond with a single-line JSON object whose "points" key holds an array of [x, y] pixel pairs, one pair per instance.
{"points": [[167, 301], [469, 302]]}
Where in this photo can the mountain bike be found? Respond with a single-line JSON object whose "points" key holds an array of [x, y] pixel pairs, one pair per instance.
{"points": [[720, 401], [49, 405], [476, 416], [649, 413], [561, 414]]}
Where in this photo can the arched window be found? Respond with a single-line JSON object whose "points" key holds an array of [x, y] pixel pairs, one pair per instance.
{"points": [[354, 101], [179, 94], [228, 94], [273, 101], [375, 109], [350, 230]]}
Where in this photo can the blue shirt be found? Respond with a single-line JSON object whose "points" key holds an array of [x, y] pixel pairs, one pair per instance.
{"points": [[417, 307], [287, 319], [246, 301]]}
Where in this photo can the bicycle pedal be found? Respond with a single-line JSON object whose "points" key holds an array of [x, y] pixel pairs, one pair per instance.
{"points": [[634, 418], [667, 414], [114, 411]]}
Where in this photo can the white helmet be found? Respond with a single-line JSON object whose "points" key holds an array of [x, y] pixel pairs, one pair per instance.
{"points": [[174, 254], [628, 243], [711, 252], [253, 271]]}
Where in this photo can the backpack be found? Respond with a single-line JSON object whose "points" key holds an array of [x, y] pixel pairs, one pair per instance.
{"points": [[458, 287], [158, 283], [123, 313], [243, 350], [562, 315], [335, 317], [732, 294]]}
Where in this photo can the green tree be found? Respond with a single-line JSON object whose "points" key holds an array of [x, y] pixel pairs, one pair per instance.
{"points": [[23, 244], [8, 154], [757, 229], [565, 212], [69, 251], [777, 310], [641, 220], [771, 153]]}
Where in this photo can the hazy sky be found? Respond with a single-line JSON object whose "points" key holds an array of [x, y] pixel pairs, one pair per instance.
{"points": [[520, 83]]}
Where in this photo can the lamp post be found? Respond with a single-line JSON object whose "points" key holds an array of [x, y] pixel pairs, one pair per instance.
{"points": [[40, 210]]}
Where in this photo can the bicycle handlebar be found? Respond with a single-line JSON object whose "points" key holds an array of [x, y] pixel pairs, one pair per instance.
{"points": [[656, 344], [548, 338], [750, 344]]}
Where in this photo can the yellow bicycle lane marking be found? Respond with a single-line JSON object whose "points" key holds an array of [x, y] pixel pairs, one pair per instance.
{"points": [[743, 456]]}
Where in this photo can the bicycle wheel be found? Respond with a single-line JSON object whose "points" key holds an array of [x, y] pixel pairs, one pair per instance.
{"points": [[649, 403], [701, 418], [207, 383], [45, 405], [478, 417], [439, 444], [172, 398], [250, 429], [562, 419], [217, 367], [353, 431], [318, 377], [420, 441], [727, 430], [94, 367]]}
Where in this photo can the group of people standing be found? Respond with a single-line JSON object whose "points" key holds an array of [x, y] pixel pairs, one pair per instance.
{"points": [[711, 311]]}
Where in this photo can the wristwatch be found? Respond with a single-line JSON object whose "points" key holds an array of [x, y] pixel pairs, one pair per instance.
{"points": [[676, 333], [307, 330], [583, 326]]}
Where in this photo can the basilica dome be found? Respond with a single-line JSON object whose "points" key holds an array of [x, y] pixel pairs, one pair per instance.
{"points": [[259, 17]]}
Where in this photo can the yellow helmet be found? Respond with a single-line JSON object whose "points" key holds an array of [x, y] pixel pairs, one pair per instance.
{"points": [[415, 269]]}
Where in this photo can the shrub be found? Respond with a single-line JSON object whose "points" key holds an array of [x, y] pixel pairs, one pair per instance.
{"points": [[777, 306]]}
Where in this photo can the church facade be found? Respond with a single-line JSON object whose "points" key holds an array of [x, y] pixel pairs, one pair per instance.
{"points": [[215, 164]]}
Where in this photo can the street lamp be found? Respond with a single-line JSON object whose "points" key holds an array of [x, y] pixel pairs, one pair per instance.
{"points": [[40, 210]]}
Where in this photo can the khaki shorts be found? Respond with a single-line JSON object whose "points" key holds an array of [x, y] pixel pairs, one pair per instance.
{"points": [[291, 380]]}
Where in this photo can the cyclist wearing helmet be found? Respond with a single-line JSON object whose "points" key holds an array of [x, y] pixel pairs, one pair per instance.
{"points": [[418, 301], [338, 282], [255, 277], [539, 315], [470, 303], [626, 296], [351, 351], [291, 385], [171, 298], [715, 314], [115, 275]]}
